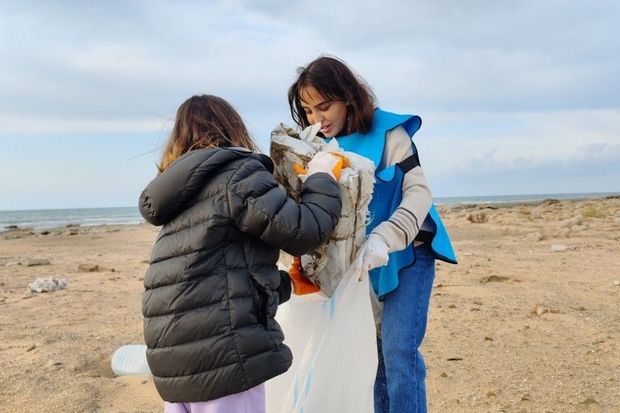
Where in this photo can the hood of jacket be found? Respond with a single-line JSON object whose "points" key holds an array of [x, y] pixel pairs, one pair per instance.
{"points": [[175, 189]]}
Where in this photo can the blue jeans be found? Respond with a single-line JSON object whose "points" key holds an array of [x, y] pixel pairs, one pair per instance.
{"points": [[399, 386]]}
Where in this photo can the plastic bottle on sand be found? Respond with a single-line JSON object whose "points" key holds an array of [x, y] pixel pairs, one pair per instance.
{"points": [[130, 360]]}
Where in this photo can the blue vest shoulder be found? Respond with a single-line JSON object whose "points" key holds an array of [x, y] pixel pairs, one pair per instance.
{"points": [[370, 144], [387, 195]]}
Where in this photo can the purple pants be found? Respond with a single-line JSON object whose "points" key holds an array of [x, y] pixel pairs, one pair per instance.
{"points": [[249, 401]]}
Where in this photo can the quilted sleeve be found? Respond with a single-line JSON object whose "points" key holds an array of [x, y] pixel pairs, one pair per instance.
{"points": [[263, 210]]}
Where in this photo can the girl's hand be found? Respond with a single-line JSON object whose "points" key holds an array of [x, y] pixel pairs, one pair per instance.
{"points": [[327, 162]]}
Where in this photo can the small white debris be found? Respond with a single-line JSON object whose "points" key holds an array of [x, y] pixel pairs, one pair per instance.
{"points": [[47, 285], [559, 247]]}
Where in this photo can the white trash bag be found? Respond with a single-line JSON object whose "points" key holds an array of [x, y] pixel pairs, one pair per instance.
{"points": [[334, 352]]}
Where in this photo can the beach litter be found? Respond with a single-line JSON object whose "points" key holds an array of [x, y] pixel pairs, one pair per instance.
{"points": [[558, 247], [326, 265], [130, 360], [47, 285]]}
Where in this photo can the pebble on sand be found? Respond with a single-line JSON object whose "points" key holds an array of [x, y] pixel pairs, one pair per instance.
{"points": [[32, 262], [89, 268], [539, 309], [478, 217]]}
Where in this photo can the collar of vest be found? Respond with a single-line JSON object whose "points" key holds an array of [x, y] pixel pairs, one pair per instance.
{"points": [[372, 143]]}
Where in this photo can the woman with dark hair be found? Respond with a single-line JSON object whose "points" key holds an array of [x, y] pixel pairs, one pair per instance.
{"points": [[405, 234], [212, 288]]}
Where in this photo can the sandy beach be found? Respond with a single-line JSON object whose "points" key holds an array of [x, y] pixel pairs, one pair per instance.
{"points": [[529, 321]]}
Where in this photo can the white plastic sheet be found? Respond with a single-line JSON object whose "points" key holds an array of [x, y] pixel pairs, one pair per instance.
{"points": [[334, 352]]}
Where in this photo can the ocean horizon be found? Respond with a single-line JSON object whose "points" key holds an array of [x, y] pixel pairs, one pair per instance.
{"points": [[55, 218]]}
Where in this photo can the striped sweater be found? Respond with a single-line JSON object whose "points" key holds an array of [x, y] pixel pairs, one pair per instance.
{"points": [[400, 229]]}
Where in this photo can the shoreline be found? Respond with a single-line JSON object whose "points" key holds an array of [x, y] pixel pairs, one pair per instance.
{"points": [[492, 205], [69, 229], [513, 204]]}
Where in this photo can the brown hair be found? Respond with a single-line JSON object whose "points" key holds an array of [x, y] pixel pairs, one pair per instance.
{"points": [[333, 79], [201, 122]]}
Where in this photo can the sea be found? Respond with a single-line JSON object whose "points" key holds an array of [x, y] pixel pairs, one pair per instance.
{"points": [[54, 218]]}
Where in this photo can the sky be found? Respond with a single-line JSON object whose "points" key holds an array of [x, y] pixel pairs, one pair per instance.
{"points": [[519, 97]]}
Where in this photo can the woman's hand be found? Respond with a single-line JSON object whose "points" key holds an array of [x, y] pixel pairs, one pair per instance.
{"points": [[373, 254]]}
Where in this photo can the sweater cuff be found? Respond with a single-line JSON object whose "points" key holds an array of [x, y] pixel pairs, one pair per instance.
{"points": [[394, 237]]}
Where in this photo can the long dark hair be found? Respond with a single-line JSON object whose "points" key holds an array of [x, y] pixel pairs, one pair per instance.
{"points": [[201, 122], [333, 79]]}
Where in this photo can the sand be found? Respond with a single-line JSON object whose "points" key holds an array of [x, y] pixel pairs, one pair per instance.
{"points": [[529, 321]]}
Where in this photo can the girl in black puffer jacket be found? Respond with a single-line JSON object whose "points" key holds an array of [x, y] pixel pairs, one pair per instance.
{"points": [[213, 287]]}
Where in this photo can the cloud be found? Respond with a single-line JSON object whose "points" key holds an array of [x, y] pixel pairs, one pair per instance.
{"points": [[54, 125], [76, 170], [532, 152], [130, 60], [118, 66], [526, 82], [483, 55], [591, 168], [447, 139]]}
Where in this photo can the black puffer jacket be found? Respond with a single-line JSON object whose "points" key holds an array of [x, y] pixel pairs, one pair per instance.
{"points": [[212, 286]]}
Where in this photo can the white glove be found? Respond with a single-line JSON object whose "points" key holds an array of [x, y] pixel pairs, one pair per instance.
{"points": [[373, 254], [322, 162]]}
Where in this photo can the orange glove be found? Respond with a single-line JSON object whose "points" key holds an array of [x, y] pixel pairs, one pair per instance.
{"points": [[299, 170], [328, 162], [301, 285], [343, 162]]}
